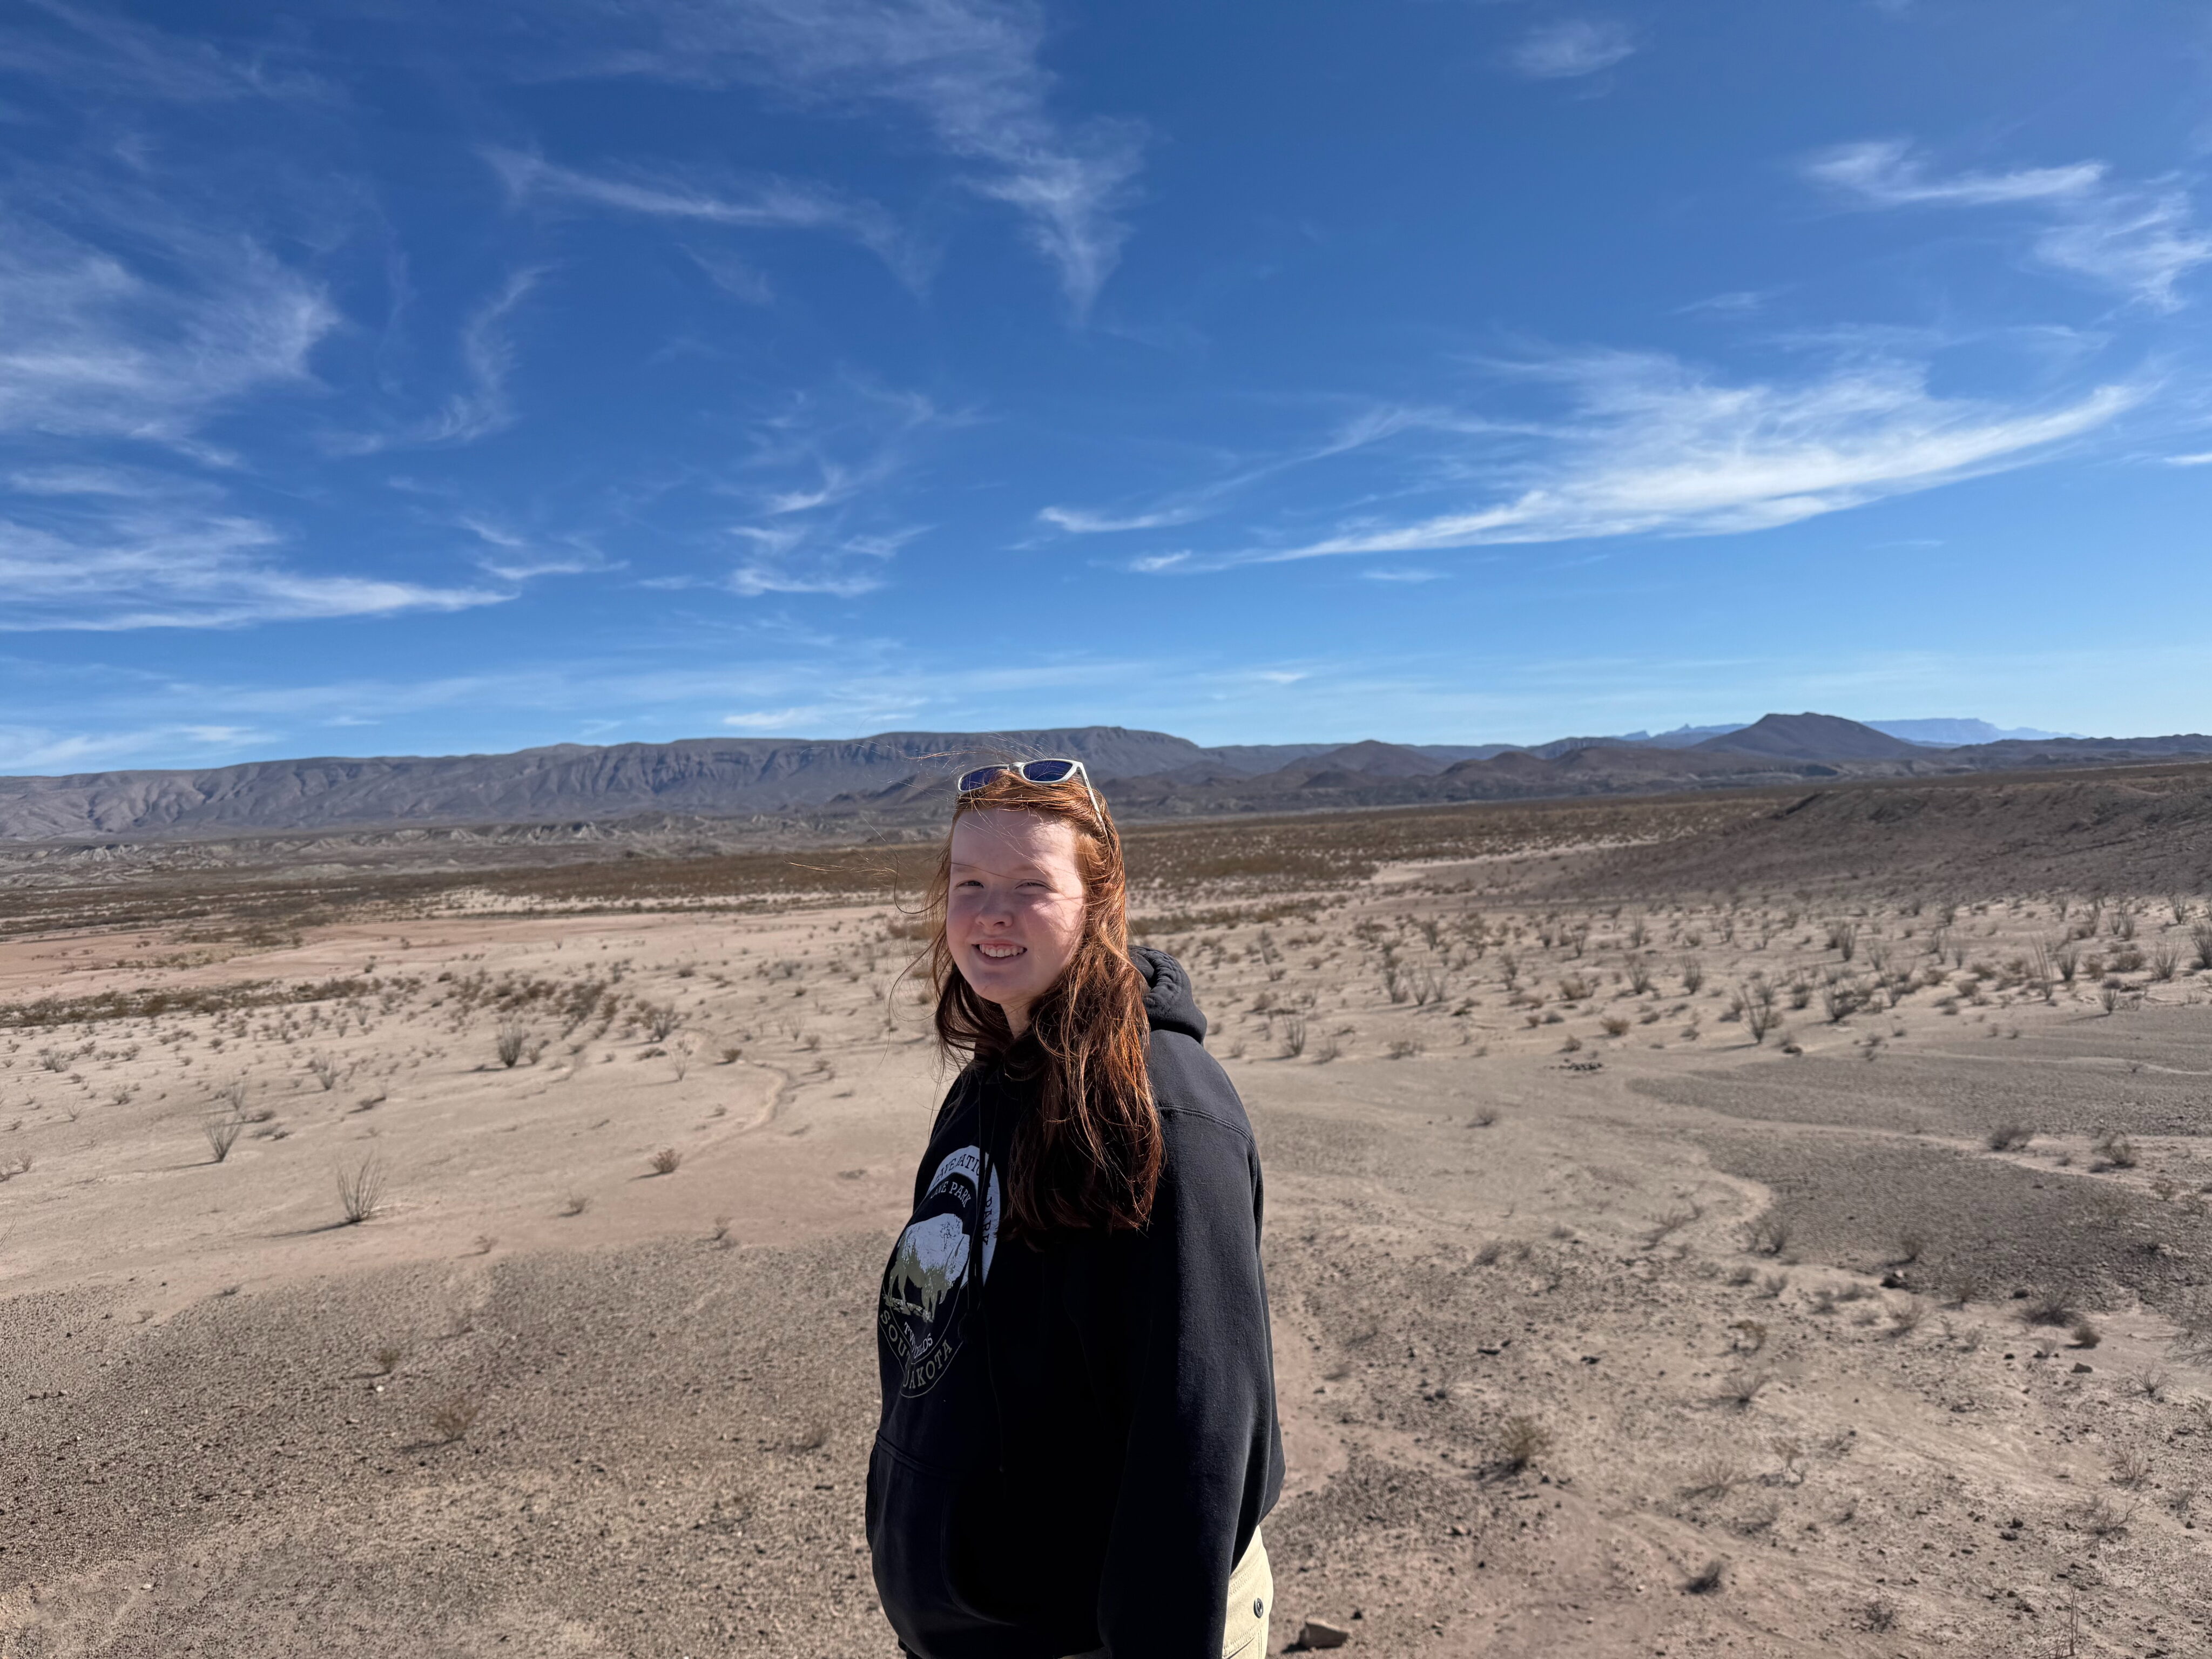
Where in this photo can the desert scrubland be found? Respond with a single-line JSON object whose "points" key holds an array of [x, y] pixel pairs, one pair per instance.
{"points": [[1758, 1224]]}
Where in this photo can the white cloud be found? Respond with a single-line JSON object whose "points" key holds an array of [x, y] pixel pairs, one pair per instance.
{"points": [[92, 346], [1574, 47], [1370, 427], [41, 750], [2203, 458], [771, 204], [481, 406], [1886, 173], [1655, 448], [805, 562], [2140, 239], [1404, 573], [2142, 242], [101, 52], [816, 714], [170, 566], [1077, 521], [519, 557], [967, 70]]}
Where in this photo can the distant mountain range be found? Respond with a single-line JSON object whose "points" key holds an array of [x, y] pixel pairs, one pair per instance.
{"points": [[904, 776]]}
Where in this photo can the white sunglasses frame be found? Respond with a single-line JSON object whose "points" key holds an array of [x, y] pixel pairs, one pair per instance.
{"points": [[1020, 770]]}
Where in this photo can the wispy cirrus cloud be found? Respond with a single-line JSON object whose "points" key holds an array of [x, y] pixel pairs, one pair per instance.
{"points": [[94, 345], [1190, 505], [515, 556], [823, 514], [1572, 48], [90, 559], [481, 405], [1886, 172], [970, 72], [1079, 521], [1652, 448], [765, 204], [2139, 239], [43, 749], [111, 55]]}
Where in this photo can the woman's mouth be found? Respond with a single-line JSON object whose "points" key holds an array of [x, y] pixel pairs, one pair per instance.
{"points": [[1002, 951]]}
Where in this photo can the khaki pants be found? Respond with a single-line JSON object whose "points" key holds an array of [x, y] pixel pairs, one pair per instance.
{"points": [[1251, 1600]]}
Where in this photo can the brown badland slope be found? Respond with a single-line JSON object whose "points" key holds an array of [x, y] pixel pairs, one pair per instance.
{"points": [[2144, 830]]}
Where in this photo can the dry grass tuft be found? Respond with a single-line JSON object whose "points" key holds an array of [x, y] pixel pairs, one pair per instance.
{"points": [[1521, 1440], [222, 1134], [2041, 1308], [361, 1190], [1741, 1388], [666, 1161], [451, 1418]]}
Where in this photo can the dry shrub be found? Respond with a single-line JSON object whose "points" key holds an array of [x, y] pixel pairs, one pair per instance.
{"points": [[1741, 1388], [2008, 1137], [1521, 1440], [1770, 1235], [2043, 1308], [666, 1161], [222, 1134], [361, 1190], [1706, 1580], [1714, 1476], [2131, 1467], [2115, 1151], [450, 1418], [2101, 1517]]}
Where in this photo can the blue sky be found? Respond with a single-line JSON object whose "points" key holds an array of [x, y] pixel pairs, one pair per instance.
{"points": [[383, 377]]}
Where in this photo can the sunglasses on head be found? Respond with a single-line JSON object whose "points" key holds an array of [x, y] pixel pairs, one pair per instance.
{"points": [[1035, 771]]}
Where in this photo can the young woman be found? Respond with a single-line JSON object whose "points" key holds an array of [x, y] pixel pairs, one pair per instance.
{"points": [[1078, 1435]]}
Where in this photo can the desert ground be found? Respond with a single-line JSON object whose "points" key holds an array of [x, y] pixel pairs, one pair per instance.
{"points": [[1682, 1239]]}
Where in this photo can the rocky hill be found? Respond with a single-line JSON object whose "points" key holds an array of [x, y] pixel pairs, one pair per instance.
{"points": [[900, 779]]}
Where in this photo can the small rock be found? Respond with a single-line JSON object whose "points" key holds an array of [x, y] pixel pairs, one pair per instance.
{"points": [[1320, 1633], [2079, 1368]]}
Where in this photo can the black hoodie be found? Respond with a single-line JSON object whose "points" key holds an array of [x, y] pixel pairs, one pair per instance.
{"points": [[1078, 1440]]}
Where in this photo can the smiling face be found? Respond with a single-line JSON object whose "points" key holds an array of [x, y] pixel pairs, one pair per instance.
{"points": [[1013, 913]]}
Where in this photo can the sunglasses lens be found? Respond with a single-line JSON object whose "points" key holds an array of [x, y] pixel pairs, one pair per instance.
{"points": [[979, 777], [1049, 771]]}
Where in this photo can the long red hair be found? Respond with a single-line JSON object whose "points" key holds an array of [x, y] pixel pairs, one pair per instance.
{"points": [[1089, 1156]]}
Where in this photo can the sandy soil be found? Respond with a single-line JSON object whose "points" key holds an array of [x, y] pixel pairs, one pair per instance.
{"points": [[1601, 1328]]}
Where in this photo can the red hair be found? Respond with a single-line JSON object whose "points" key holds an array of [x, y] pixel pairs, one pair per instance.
{"points": [[1089, 1156]]}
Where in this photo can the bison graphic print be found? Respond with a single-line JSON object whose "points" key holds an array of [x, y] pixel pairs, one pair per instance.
{"points": [[938, 1269]]}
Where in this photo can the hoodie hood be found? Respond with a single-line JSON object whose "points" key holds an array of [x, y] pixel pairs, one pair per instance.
{"points": [[1169, 1002]]}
